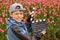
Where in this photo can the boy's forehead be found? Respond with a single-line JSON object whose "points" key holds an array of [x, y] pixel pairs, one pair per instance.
{"points": [[18, 11], [21, 11]]}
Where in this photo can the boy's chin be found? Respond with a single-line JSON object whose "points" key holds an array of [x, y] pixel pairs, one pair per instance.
{"points": [[19, 21]]}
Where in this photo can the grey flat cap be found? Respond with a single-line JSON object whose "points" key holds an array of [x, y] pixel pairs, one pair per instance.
{"points": [[13, 7]]}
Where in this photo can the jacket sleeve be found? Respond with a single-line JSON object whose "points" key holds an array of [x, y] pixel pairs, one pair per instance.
{"points": [[29, 24], [8, 24], [21, 36]]}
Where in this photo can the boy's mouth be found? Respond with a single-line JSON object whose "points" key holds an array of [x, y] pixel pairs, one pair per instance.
{"points": [[19, 19]]}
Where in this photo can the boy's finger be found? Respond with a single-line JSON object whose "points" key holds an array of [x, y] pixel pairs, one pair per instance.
{"points": [[43, 32]]}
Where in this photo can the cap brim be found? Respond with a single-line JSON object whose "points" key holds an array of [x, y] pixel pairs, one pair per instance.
{"points": [[22, 9]]}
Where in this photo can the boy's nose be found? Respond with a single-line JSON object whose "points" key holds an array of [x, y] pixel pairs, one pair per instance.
{"points": [[19, 15]]}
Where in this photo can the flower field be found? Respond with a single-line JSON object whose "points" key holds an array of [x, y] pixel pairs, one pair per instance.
{"points": [[42, 9]]}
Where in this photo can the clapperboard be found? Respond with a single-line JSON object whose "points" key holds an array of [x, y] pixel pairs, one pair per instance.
{"points": [[38, 26]]}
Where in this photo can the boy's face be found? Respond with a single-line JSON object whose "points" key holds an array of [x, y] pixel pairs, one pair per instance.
{"points": [[17, 16]]}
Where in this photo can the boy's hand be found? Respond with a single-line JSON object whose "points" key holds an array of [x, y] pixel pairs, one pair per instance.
{"points": [[43, 32]]}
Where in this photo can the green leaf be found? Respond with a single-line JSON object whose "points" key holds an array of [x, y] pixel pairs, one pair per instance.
{"points": [[2, 8]]}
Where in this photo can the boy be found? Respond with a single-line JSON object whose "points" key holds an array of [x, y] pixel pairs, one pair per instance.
{"points": [[17, 29], [15, 20]]}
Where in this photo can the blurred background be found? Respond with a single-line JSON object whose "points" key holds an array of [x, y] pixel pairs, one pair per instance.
{"points": [[42, 9]]}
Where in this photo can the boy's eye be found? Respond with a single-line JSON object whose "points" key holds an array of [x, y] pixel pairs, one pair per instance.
{"points": [[16, 14]]}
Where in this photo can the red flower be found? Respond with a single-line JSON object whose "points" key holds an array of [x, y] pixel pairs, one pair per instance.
{"points": [[52, 21], [1, 30], [48, 21], [58, 19], [3, 23], [52, 17], [29, 12], [0, 0], [39, 11], [0, 19], [48, 4], [3, 14], [54, 24], [45, 14], [10, 2]]}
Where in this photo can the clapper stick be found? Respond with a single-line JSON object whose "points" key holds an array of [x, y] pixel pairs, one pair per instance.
{"points": [[37, 25]]}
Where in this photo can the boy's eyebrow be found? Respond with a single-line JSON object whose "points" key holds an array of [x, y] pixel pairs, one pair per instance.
{"points": [[21, 12]]}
